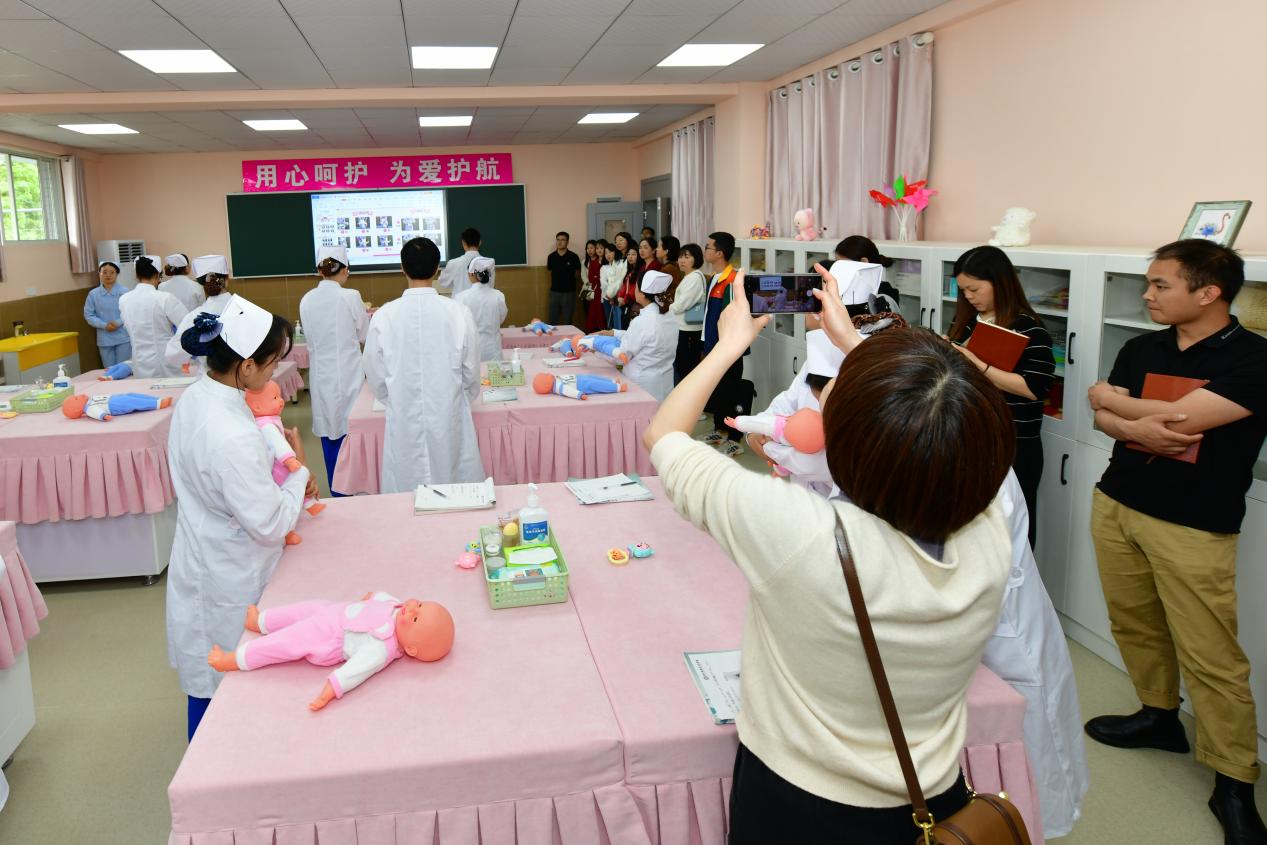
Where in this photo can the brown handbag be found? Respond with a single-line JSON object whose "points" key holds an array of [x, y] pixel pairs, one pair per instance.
{"points": [[987, 819]]}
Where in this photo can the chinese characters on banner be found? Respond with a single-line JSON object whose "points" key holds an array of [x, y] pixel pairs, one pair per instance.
{"points": [[372, 172]]}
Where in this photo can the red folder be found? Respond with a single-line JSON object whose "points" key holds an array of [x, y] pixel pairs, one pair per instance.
{"points": [[999, 347], [1171, 389]]}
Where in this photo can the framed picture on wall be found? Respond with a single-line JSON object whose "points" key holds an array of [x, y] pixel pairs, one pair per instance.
{"points": [[1216, 221]]}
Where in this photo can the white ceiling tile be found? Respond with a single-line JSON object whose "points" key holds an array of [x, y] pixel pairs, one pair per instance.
{"points": [[67, 8], [223, 8], [542, 32], [241, 33], [276, 70], [34, 37], [669, 32], [260, 114], [437, 78], [16, 10], [459, 7], [104, 69], [369, 76], [529, 75], [565, 54], [397, 117], [677, 7], [570, 8], [321, 118], [374, 8], [736, 28], [29, 78], [346, 39], [676, 75], [213, 82], [456, 30], [135, 119], [349, 138], [441, 137], [135, 33], [908, 8], [599, 73], [837, 31], [505, 112]]}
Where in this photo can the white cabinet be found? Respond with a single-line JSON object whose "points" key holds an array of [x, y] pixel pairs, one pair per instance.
{"points": [[1055, 508], [1083, 602], [1251, 586]]}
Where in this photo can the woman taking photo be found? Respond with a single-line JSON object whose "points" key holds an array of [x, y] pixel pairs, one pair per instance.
{"points": [[990, 291], [929, 541], [690, 293], [232, 517]]}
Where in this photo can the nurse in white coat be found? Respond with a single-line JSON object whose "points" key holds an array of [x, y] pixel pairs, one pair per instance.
{"points": [[487, 305], [231, 517], [650, 342], [212, 272], [422, 361], [180, 284], [335, 324], [150, 316]]}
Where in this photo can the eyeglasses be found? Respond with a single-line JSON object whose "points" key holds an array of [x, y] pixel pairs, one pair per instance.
{"points": [[707, 248]]}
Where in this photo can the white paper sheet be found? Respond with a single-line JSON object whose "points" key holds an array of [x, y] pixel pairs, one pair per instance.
{"points": [[716, 676], [439, 498]]}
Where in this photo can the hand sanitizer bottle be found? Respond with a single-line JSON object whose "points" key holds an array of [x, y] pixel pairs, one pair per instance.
{"points": [[534, 524], [61, 380], [516, 363]]}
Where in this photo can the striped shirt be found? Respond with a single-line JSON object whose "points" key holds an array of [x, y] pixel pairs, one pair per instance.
{"points": [[1037, 366]]}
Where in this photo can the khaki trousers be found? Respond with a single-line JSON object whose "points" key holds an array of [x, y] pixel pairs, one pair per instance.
{"points": [[1171, 594]]}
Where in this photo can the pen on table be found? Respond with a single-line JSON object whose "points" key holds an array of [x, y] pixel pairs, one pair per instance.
{"points": [[433, 490], [621, 484]]}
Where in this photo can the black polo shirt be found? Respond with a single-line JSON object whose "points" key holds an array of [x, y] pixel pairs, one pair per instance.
{"points": [[1210, 494], [563, 269]]}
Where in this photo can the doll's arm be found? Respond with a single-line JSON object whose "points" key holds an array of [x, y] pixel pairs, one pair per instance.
{"points": [[278, 448], [367, 660]]}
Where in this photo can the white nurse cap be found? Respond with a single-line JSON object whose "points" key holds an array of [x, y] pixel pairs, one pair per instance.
{"points": [[205, 264], [176, 260], [481, 264], [338, 253], [244, 325], [653, 282], [823, 358]]}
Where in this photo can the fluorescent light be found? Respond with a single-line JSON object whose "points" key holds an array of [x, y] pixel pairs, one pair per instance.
{"points": [[179, 61], [609, 117], [708, 55], [287, 124], [98, 128], [446, 120], [453, 58]]}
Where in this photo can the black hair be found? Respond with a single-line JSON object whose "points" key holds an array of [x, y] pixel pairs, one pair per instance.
{"points": [[330, 266], [471, 236], [220, 356], [990, 264], [420, 258], [482, 276], [611, 245], [563, 235], [725, 243], [629, 239], [815, 381], [173, 270], [652, 231], [697, 255], [858, 247], [213, 284], [108, 264], [672, 248], [1203, 262], [145, 269], [651, 242]]}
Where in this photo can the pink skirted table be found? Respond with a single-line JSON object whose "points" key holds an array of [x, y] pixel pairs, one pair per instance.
{"points": [[569, 723], [535, 438], [518, 337], [21, 609], [298, 354], [289, 380]]}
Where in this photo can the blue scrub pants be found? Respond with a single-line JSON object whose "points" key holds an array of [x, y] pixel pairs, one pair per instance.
{"points": [[197, 708], [117, 354], [330, 451]]}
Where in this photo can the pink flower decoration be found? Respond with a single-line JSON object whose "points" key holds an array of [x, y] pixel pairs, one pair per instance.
{"points": [[918, 199]]}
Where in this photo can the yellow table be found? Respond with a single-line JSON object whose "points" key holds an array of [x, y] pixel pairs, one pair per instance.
{"points": [[32, 356]]}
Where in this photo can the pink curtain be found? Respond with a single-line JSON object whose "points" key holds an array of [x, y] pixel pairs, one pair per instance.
{"points": [[78, 232], [836, 134], [693, 181]]}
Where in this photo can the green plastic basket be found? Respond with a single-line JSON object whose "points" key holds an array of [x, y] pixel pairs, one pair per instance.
{"points": [[501, 375], [41, 401], [526, 592]]}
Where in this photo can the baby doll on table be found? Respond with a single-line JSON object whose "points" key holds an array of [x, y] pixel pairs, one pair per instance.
{"points": [[267, 404]]}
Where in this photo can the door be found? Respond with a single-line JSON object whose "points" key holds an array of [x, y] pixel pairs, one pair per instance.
{"points": [[1055, 509], [1084, 598], [656, 196], [607, 219]]}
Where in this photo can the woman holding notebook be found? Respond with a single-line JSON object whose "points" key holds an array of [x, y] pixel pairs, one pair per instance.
{"points": [[990, 292]]}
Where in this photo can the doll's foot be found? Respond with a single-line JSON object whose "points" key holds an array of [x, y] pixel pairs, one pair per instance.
{"points": [[165, 402], [293, 539], [221, 660], [316, 508], [252, 622], [623, 388]]}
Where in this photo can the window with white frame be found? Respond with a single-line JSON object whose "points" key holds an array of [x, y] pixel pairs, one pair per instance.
{"points": [[30, 198]]}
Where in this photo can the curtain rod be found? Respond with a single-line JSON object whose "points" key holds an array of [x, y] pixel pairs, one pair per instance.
{"points": [[923, 39]]}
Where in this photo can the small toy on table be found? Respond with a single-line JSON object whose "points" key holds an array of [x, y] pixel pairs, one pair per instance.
{"points": [[617, 557], [368, 634], [604, 345], [118, 372], [266, 404], [803, 430], [468, 560], [538, 326], [641, 550], [106, 407], [576, 387]]}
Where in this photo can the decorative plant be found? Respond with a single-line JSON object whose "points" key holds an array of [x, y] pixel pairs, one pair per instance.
{"points": [[904, 197]]}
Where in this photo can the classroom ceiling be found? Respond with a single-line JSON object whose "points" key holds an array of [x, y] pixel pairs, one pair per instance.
{"points": [[70, 46]]}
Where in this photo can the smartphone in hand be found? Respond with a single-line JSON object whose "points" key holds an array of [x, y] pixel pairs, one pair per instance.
{"points": [[782, 293]]}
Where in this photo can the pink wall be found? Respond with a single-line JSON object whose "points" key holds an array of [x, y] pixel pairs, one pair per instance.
{"points": [[655, 158], [176, 201], [1107, 117], [739, 160]]}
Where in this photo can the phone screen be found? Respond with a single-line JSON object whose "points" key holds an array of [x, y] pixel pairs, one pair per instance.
{"points": [[783, 293]]}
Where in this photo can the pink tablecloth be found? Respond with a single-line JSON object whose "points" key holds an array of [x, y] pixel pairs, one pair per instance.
{"points": [[52, 468], [573, 723], [517, 337], [299, 355], [21, 605], [535, 438], [288, 379]]}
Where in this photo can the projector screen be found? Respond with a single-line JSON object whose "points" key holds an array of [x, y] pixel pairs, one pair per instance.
{"points": [[374, 225]]}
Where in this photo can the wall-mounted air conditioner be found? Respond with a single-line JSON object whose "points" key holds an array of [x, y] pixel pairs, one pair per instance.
{"points": [[123, 253]]}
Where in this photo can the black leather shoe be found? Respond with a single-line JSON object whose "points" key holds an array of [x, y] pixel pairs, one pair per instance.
{"points": [[1151, 727], [1233, 805]]}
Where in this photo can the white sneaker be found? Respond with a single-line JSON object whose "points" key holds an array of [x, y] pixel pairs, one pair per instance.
{"points": [[712, 438], [731, 449]]}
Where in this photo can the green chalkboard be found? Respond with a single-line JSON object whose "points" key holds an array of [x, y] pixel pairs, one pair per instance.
{"points": [[271, 234]]}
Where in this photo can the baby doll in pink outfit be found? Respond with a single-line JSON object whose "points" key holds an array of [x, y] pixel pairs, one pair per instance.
{"points": [[266, 404], [367, 635]]}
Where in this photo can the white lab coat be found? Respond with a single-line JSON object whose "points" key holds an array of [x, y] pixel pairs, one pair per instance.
{"points": [[808, 471], [651, 344], [454, 277], [1028, 650], [150, 315], [422, 361], [231, 525], [189, 293], [176, 354], [488, 307], [335, 324]]}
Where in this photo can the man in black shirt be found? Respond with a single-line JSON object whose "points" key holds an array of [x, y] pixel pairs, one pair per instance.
{"points": [[1165, 525], [565, 271]]}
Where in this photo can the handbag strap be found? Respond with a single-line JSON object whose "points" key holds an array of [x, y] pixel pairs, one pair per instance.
{"points": [[923, 818]]}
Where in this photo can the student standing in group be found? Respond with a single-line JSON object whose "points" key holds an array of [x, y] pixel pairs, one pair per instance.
{"points": [[651, 338], [455, 277], [647, 248], [717, 252], [863, 249], [648, 234], [1165, 529], [231, 516], [422, 360], [101, 311], [689, 294], [179, 284], [667, 253], [150, 316], [335, 324], [488, 306], [565, 271], [625, 296], [990, 291], [624, 241], [592, 290], [612, 278], [212, 272]]}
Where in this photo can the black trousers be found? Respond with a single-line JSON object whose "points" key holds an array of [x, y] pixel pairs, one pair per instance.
{"points": [[1028, 464], [690, 349], [722, 403], [766, 809]]}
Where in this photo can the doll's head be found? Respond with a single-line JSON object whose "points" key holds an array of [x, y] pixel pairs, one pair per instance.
{"points": [[267, 401], [803, 219], [424, 630], [73, 406], [543, 383]]}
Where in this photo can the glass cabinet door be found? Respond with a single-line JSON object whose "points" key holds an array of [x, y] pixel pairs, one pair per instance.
{"points": [[907, 275], [756, 259], [784, 261]]}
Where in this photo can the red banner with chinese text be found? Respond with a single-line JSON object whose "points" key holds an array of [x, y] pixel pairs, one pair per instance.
{"points": [[373, 172]]}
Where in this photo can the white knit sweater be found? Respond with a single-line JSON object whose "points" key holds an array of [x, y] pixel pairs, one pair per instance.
{"points": [[810, 711]]}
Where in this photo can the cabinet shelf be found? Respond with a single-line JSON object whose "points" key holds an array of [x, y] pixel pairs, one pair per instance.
{"points": [[1124, 322], [1041, 309]]}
